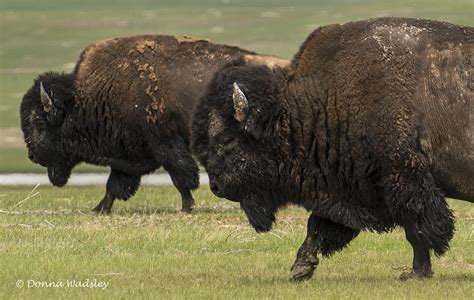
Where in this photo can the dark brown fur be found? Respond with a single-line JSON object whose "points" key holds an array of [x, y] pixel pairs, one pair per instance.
{"points": [[127, 105], [367, 128]]}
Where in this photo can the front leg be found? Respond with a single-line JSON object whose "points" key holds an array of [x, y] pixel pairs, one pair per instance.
{"points": [[323, 236], [306, 259], [119, 185]]}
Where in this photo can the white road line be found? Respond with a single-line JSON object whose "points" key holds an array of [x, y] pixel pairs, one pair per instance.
{"points": [[86, 179]]}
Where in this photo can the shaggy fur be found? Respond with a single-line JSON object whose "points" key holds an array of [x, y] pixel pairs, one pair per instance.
{"points": [[127, 105], [359, 130]]}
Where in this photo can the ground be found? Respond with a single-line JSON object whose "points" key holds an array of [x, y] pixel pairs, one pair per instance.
{"points": [[147, 248]]}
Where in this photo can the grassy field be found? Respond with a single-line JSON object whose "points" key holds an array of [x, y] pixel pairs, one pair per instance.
{"points": [[36, 36], [147, 249]]}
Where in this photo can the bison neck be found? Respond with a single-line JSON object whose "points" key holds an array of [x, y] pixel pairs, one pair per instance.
{"points": [[95, 133], [317, 156], [306, 143]]}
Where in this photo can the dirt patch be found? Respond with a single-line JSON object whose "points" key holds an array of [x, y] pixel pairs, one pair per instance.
{"points": [[268, 60], [188, 39], [88, 56], [11, 138], [142, 45]]}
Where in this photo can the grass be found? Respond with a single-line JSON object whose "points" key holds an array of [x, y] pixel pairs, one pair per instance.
{"points": [[147, 249], [36, 36], [16, 161]]}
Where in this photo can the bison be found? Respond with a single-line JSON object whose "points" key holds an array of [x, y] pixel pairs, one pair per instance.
{"points": [[370, 127], [126, 105]]}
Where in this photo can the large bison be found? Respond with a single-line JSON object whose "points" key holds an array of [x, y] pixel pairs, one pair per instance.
{"points": [[126, 105], [369, 128]]}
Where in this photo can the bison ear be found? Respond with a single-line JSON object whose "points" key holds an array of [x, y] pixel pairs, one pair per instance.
{"points": [[255, 119], [260, 117], [241, 103], [55, 111], [45, 99]]}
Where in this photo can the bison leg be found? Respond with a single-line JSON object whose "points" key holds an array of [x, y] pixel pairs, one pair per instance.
{"points": [[421, 254], [183, 170], [419, 206], [185, 180], [105, 206], [119, 185], [323, 236], [306, 258]]}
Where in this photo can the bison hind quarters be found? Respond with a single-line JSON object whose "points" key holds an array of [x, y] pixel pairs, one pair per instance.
{"points": [[418, 201]]}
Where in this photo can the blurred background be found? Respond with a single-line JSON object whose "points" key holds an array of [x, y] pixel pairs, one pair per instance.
{"points": [[37, 36]]}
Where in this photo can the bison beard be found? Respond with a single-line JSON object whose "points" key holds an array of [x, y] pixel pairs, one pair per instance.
{"points": [[351, 132], [59, 174], [259, 217]]}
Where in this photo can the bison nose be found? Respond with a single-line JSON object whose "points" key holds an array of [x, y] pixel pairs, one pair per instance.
{"points": [[31, 157]]}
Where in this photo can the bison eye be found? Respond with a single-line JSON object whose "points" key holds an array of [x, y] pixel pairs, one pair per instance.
{"points": [[227, 140]]}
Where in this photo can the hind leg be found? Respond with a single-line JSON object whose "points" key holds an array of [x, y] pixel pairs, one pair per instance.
{"points": [[105, 206], [323, 236], [183, 170], [419, 206], [429, 226], [185, 178], [421, 254], [119, 185]]}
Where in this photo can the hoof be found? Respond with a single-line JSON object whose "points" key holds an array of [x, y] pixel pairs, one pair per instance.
{"points": [[187, 209], [304, 266], [415, 275], [301, 273], [101, 210]]}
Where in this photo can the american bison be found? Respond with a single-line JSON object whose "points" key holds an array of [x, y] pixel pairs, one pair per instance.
{"points": [[126, 105], [369, 128]]}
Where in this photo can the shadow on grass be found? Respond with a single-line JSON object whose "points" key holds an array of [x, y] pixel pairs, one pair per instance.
{"points": [[325, 279], [121, 211], [394, 276], [173, 210], [458, 277]]}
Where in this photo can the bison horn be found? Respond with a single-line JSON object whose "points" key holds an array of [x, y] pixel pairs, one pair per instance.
{"points": [[240, 103], [45, 99]]}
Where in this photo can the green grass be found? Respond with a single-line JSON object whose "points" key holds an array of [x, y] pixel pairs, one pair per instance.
{"points": [[37, 36], [147, 249], [16, 161]]}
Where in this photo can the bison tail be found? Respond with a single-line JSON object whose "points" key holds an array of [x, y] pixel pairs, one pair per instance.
{"points": [[417, 199], [435, 222]]}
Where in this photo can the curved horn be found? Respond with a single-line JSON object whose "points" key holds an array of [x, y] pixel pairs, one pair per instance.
{"points": [[45, 99], [240, 103]]}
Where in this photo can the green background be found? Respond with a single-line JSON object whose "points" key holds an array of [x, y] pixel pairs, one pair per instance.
{"points": [[37, 36]]}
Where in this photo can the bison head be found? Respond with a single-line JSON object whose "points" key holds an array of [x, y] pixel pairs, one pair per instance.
{"points": [[42, 113], [232, 135]]}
